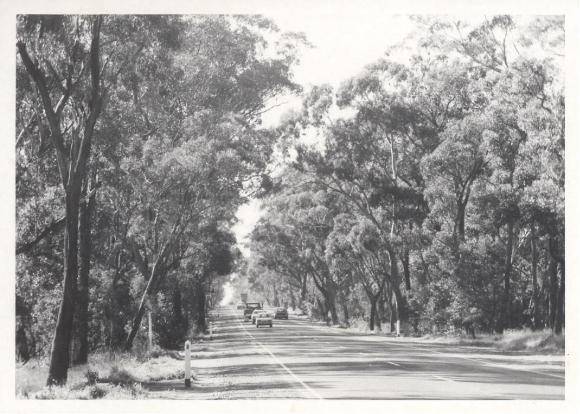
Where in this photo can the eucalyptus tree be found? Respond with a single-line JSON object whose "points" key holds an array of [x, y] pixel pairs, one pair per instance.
{"points": [[103, 93], [512, 69], [354, 247]]}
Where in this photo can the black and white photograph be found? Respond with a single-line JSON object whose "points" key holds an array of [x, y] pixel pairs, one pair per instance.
{"points": [[327, 203]]}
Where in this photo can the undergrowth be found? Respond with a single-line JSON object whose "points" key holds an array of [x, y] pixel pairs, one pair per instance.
{"points": [[107, 375]]}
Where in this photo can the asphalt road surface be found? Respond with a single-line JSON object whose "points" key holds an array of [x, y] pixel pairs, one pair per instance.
{"points": [[300, 359]]}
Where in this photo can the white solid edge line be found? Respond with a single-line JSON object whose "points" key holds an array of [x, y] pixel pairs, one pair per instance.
{"points": [[294, 376]]}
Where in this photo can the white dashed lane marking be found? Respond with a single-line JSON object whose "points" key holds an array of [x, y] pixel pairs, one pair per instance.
{"points": [[293, 375]]}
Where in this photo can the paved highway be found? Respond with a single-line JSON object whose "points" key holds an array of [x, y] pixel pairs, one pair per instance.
{"points": [[299, 359]]}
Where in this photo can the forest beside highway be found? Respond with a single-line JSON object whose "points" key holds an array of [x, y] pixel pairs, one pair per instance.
{"points": [[425, 191]]}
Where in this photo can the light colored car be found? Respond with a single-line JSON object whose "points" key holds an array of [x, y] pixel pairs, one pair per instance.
{"points": [[256, 313], [263, 318]]}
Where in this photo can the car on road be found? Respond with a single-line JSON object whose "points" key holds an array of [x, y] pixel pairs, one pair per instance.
{"points": [[281, 313], [250, 308], [240, 306], [256, 313], [262, 318]]}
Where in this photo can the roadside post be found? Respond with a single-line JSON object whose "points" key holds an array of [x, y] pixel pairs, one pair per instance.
{"points": [[398, 327], [187, 364]]}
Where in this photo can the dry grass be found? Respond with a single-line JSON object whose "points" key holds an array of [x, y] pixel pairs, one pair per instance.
{"points": [[544, 342], [535, 341], [105, 376]]}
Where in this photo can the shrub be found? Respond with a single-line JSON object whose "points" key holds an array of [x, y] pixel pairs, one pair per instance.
{"points": [[97, 392], [120, 376]]}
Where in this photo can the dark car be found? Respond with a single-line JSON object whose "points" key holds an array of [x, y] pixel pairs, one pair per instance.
{"points": [[281, 313], [251, 307]]}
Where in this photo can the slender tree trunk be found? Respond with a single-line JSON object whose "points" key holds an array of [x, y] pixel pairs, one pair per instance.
{"points": [[276, 300], [322, 309], [535, 311], [400, 304], [86, 209], [60, 353], [507, 308], [559, 323], [330, 299], [302, 292], [372, 319], [553, 293], [142, 307], [292, 300], [460, 219], [201, 308], [344, 306], [406, 271], [381, 311]]}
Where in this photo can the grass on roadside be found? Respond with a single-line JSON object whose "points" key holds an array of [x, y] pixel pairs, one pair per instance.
{"points": [[109, 376], [544, 342]]}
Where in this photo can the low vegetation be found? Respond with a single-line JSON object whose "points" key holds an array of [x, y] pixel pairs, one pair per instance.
{"points": [[114, 376]]}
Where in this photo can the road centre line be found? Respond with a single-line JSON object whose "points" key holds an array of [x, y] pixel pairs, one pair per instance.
{"points": [[294, 376], [490, 364], [442, 378]]}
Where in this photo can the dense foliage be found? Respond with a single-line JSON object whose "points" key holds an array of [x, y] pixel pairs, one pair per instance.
{"points": [[434, 194], [138, 137]]}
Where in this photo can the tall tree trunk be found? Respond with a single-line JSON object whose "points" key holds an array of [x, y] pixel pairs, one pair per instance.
{"points": [[72, 163], [373, 306], [86, 209], [303, 292], [559, 323], [322, 309], [330, 300], [400, 303], [459, 227], [406, 272], [276, 299], [292, 299], [535, 302], [201, 307], [60, 352], [142, 307], [507, 308], [553, 292], [344, 306]]}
